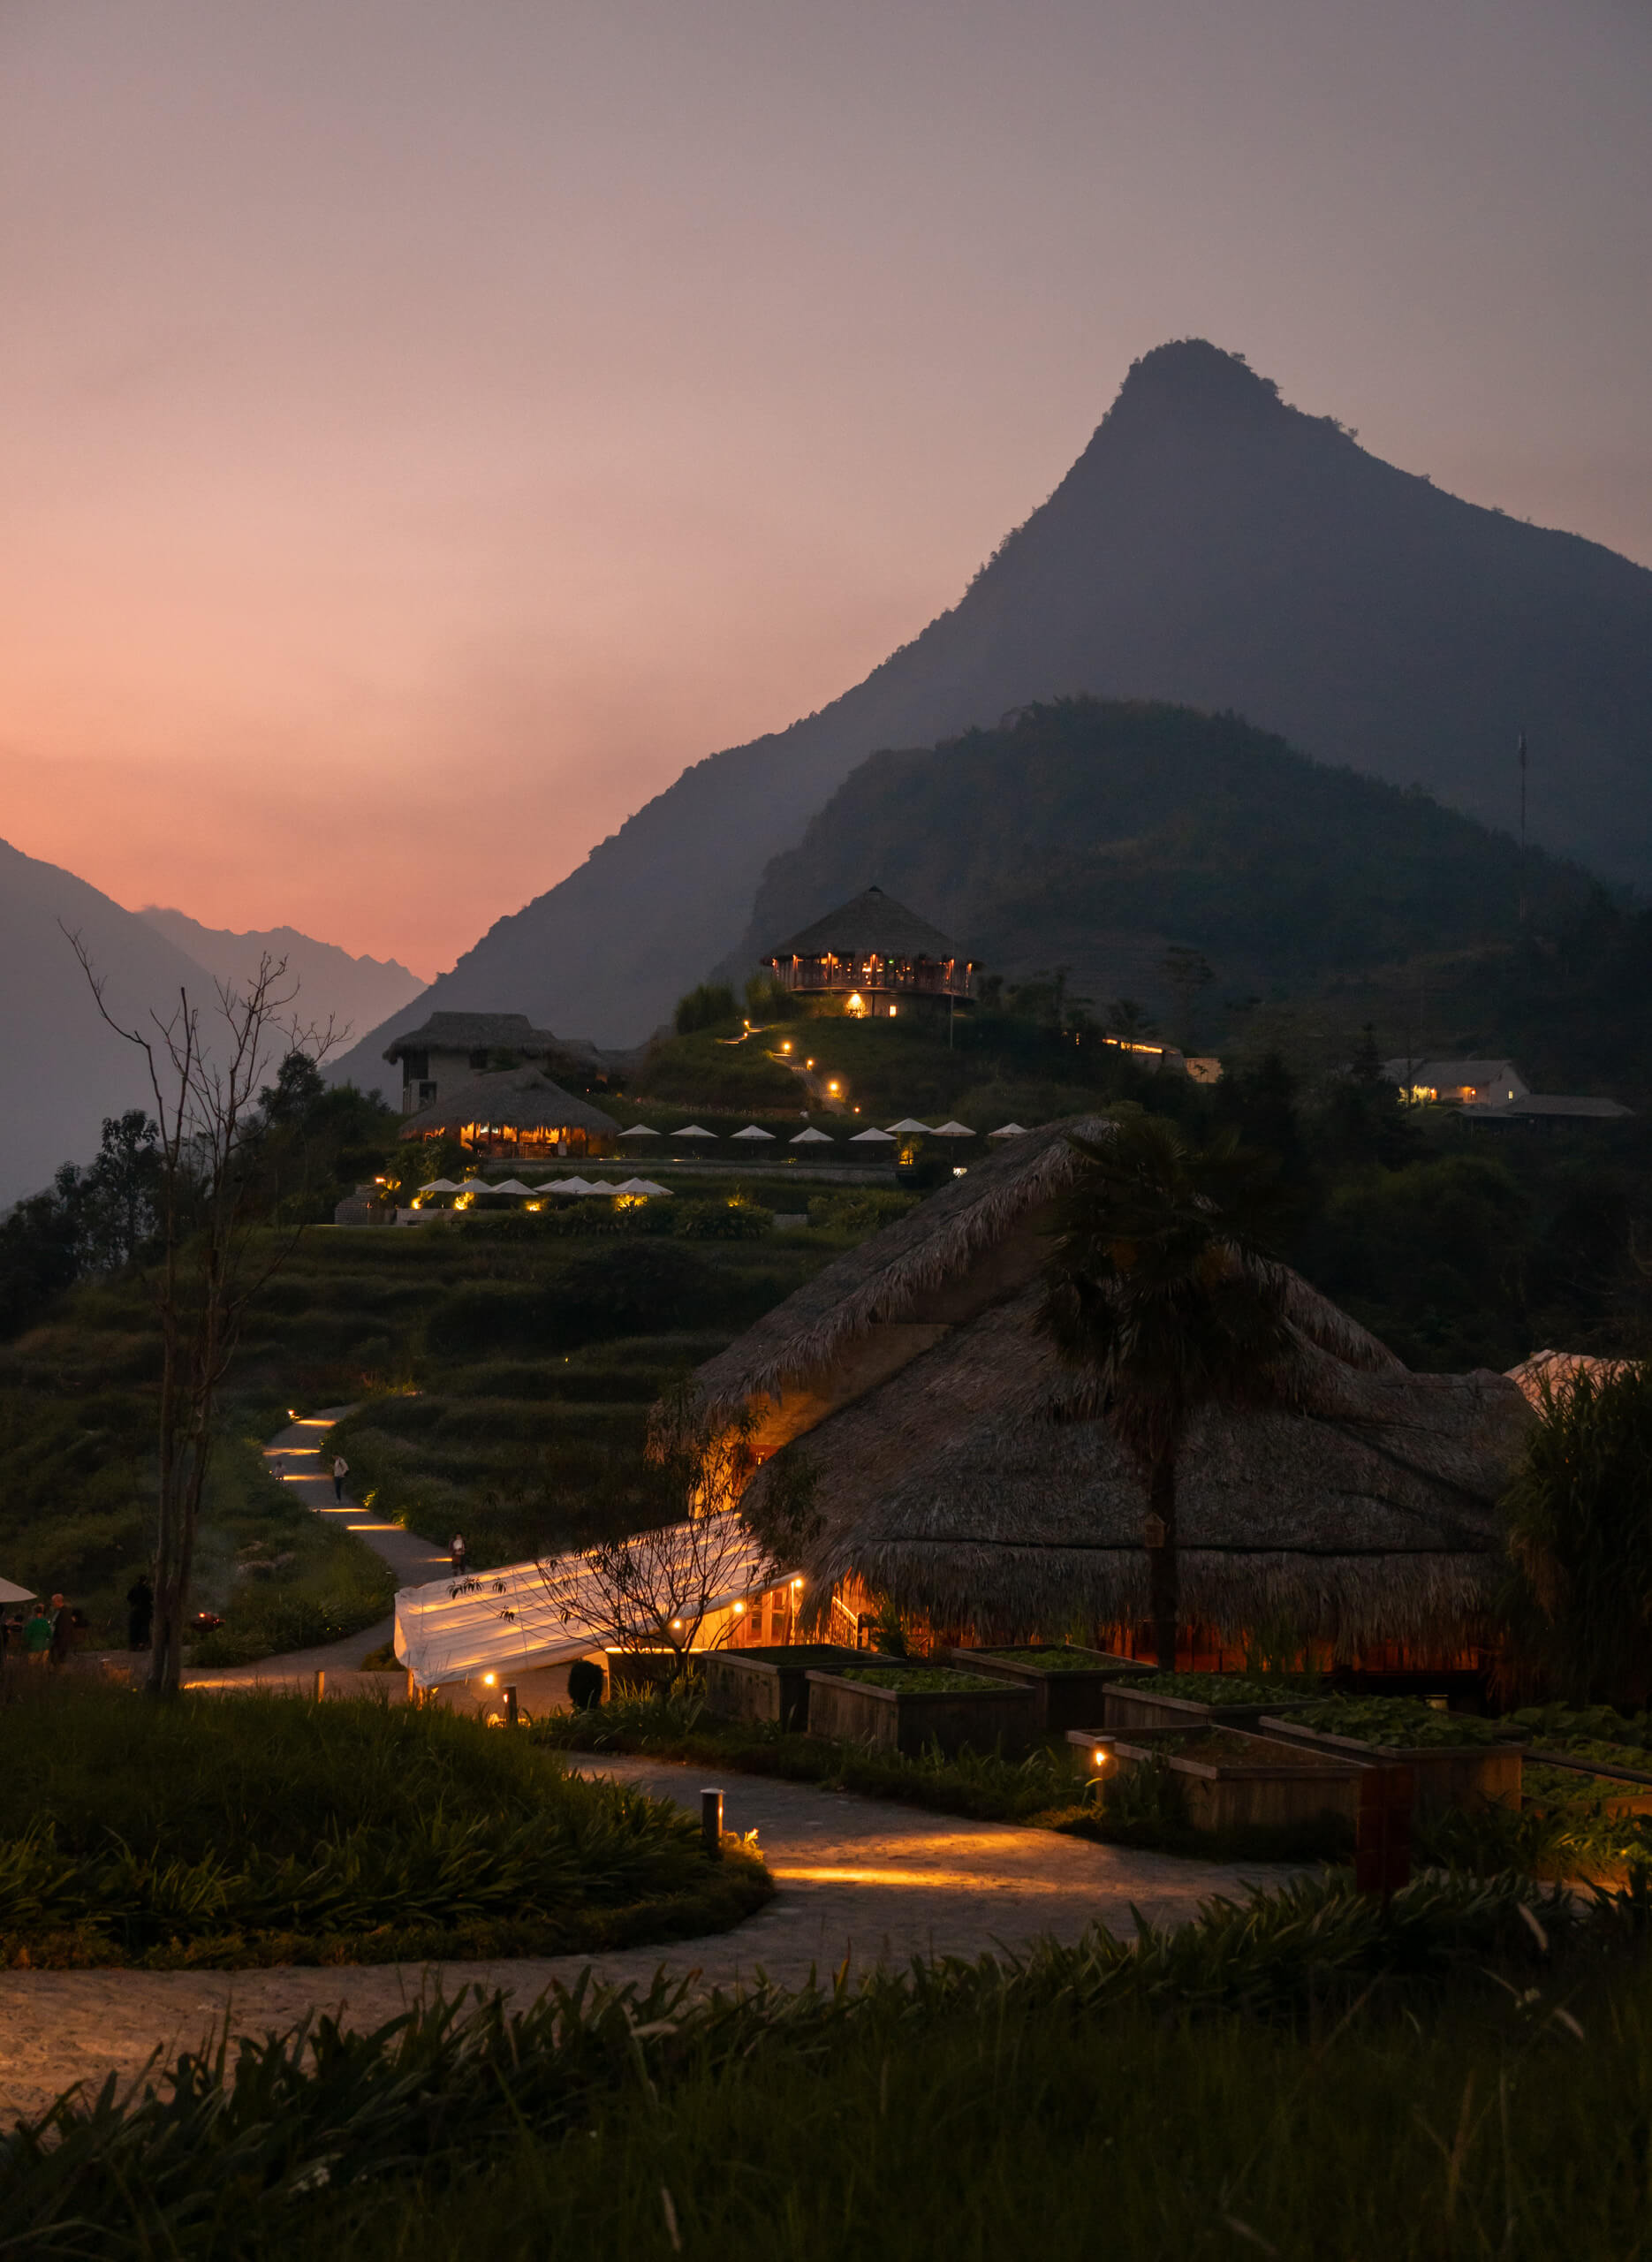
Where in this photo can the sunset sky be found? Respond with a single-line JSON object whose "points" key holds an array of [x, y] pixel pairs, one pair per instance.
{"points": [[425, 427]]}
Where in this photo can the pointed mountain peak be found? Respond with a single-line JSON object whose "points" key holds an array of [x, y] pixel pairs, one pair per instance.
{"points": [[1191, 380]]}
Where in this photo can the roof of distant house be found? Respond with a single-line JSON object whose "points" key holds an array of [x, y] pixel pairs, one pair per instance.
{"points": [[869, 922], [1449, 1073], [480, 1032], [520, 1097]]}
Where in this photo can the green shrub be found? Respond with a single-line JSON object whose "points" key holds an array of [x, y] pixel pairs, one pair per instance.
{"points": [[722, 1221], [192, 1830]]}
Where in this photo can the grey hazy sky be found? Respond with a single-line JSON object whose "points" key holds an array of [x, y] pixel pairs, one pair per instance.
{"points": [[424, 427]]}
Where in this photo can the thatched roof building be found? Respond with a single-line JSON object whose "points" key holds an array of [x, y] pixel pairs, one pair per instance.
{"points": [[957, 1470], [516, 1112], [875, 954]]}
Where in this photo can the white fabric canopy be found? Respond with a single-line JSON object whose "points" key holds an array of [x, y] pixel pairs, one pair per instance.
{"points": [[1009, 1131], [692, 1131], [954, 1131], [511, 1186], [489, 1621], [641, 1131], [873, 1136], [565, 1185], [752, 1131], [441, 1186], [641, 1186], [475, 1186], [812, 1138], [906, 1123], [8, 1593]]}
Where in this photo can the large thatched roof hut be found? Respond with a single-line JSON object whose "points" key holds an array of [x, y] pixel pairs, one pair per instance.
{"points": [[957, 1470], [516, 1112]]}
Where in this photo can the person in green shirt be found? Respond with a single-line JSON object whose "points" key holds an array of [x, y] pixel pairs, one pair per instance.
{"points": [[37, 1635]]}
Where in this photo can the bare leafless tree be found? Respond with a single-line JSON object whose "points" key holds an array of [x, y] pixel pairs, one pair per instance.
{"points": [[656, 1590], [210, 1258]]}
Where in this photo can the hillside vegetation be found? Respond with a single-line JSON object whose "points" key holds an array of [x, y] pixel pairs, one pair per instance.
{"points": [[1096, 834]]}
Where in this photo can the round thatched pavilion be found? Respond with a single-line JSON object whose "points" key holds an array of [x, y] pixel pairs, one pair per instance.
{"points": [[876, 956]]}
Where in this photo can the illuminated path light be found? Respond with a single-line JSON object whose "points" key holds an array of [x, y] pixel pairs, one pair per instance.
{"points": [[860, 1881]]}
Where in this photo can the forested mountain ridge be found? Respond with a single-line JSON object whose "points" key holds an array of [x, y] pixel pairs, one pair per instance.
{"points": [[1211, 547], [1096, 833]]}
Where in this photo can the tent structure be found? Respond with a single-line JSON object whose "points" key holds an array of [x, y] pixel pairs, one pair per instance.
{"points": [[812, 1138], [754, 1131], [490, 1622], [641, 1131], [964, 1470]]}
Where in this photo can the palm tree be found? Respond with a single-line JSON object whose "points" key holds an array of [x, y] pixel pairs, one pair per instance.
{"points": [[1161, 1286]]}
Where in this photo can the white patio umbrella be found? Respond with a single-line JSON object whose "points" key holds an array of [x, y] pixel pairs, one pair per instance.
{"points": [[475, 1186], [693, 1131], [441, 1186], [908, 1123], [511, 1186], [954, 1131], [565, 1185], [641, 1131], [874, 1137], [8, 1593], [1009, 1131], [600, 1186], [643, 1186], [812, 1138], [754, 1131]]}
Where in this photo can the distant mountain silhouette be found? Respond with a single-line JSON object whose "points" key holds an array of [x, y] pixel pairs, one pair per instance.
{"points": [[359, 991], [65, 1071], [1094, 834], [1211, 547]]}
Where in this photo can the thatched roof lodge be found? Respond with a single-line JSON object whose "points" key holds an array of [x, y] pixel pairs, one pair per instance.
{"points": [[516, 1112], [876, 955], [957, 1470]]}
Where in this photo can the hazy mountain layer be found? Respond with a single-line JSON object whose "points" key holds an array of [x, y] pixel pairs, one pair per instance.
{"points": [[354, 991], [65, 1071], [1212, 547], [1095, 834]]}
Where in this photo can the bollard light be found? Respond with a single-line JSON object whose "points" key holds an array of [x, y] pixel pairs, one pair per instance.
{"points": [[510, 1716], [711, 1821]]}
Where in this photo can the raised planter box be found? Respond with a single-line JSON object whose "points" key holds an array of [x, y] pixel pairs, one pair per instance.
{"points": [[1443, 1774], [771, 1684], [910, 1719], [1233, 1780], [1139, 1708], [1067, 1689], [1628, 1789]]}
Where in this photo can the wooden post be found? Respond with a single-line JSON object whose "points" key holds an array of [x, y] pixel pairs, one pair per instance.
{"points": [[1382, 1846]]}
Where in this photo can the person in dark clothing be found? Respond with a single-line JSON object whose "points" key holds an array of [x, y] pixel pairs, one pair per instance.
{"points": [[62, 1631], [139, 1613]]}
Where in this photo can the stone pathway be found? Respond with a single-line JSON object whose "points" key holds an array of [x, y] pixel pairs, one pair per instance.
{"points": [[296, 1457], [860, 1881]]}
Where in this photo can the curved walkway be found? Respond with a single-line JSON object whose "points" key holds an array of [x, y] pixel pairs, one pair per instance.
{"points": [[860, 1881], [296, 1457]]}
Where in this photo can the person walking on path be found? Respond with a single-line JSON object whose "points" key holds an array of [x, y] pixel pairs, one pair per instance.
{"points": [[37, 1635], [341, 1469], [139, 1613], [62, 1631], [458, 1554]]}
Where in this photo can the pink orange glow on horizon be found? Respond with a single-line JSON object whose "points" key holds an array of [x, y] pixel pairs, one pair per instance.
{"points": [[428, 429]]}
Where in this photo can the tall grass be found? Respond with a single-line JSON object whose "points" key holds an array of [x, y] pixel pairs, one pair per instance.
{"points": [[215, 1830], [1466, 2071]]}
